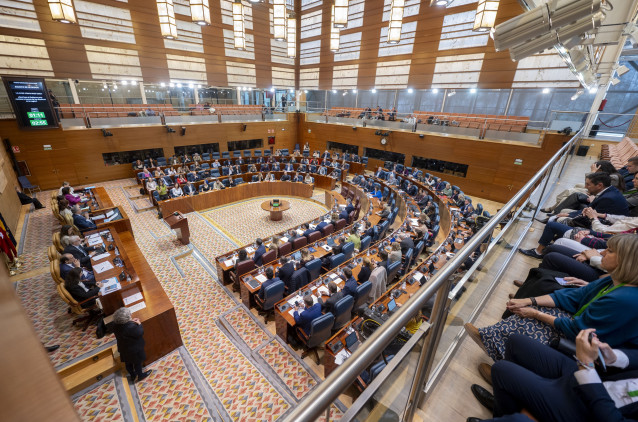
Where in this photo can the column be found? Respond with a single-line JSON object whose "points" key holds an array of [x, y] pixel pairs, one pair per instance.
{"points": [[74, 91], [143, 92]]}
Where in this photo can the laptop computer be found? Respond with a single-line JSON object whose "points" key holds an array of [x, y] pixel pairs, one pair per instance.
{"points": [[352, 341], [392, 305], [296, 256]]}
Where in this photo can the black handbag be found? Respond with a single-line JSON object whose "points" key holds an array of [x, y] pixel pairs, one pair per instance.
{"points": [[563, 345]]}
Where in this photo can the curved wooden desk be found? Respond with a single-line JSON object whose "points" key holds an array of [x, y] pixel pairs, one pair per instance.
{"points": [[206, 200], [276, 213]]}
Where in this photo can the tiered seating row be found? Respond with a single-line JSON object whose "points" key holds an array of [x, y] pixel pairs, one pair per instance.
{"points": [[224, 109], [70, 111], [620, 153]]}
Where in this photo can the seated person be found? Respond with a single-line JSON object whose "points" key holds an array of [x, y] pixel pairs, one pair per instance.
{"points": [[385, 213], [308, 179], [74, 245], [395, 254], [285, 177], [299, 278], [189, 189], [73, 199], [366, 269], [335, 296], [297, 178], [406, 243], [309, 312], [170, 171], [350, 287], [215, 164], [252, 168], [322, 171], [162, 190], [81, 221], [204, 187], [138, 165], [354, 238], [269, 177], [275, 166], [377, 193], [275, 244], [78, 290], [467, 209], [285, 271], [151, 185], [259, 252], [369, 230], [551, 386], [176, 192], [181, 180], [69, 262], [607, 304], [307, 229], [270, 274], [231, 182], [217, 185]]}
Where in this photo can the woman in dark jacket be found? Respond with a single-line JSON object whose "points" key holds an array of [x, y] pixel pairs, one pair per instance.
{"points": [[78, 289], [366, 269], [130, 343]]}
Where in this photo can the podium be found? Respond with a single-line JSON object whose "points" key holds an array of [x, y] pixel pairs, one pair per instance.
{"points": [[179, 223]]}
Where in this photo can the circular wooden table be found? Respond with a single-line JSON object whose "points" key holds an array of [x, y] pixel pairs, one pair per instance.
{"points": [[276, 213]]}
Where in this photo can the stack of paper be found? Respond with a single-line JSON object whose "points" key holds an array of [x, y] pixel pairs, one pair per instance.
{"points": [[133, 298], [261, 278], [96, 258], [323, 290], [342, 356], [250, 249], [102, 266], [284, 239], [137, 307], [230, 262], [333, 276], [110, 214], [98, 217], [327, 248], [96, 241]]}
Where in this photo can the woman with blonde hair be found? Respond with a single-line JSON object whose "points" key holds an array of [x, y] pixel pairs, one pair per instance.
{"points": [[395, 254], [130, 343], [607, 304]]}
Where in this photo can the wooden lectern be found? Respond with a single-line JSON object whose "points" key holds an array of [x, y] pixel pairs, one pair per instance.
{"points": [[179, 223]]}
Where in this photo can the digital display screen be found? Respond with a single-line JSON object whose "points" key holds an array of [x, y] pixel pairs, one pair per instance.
{"points": [[31, 102]]}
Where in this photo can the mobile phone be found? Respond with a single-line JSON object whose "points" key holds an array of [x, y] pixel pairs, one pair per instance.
{"points": [[561, 281], [600, 354]]}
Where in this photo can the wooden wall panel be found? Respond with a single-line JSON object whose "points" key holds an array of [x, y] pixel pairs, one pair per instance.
{"points": [[76, 155], [492, 173]]}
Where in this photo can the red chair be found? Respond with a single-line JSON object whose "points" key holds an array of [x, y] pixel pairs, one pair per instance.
{"points": [[314, 236], [242, 268], [341, 223], [285, 249], [269, 256], [299, 243]]}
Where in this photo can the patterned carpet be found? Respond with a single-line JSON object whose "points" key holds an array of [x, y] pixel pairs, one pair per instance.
{"points": [[40, 228], [242, 373], [246, 221]]}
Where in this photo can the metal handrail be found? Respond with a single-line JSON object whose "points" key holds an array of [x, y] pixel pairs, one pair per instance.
{"points": [[313, 405]]}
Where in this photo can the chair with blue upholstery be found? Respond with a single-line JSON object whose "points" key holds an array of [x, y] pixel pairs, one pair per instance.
{"points": [[399, 168], [314, 267], [364, 160], [161, 161], [225, 154], [320, 331], [236, 154], [226, 182], [273, 294], [168, 180], [215, 172], [313, 169], [257, 153], [486, 214], [255, 178], [206, 156], [267, 153], [335, 261], [393, 270], [408, 260], [365, 243], [479, 209], [342, 312], [205, 166], [347, 250], [215, 156], [191, 167], [362, 292], [239, 181], [140, 175], [225, 171], [190, 177], [418, 250], [285, 152], [246, 153], [156, 197]]}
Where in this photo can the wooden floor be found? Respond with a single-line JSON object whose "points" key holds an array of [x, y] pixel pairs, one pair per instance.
{"points": [[451, 399]]}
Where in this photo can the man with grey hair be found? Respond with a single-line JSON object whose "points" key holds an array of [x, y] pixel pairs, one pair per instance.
{"points": [[74, 247], [129, 334], [80, 221]]}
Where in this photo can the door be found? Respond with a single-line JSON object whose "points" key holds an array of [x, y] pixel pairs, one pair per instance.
{"points": [[50, 168]]}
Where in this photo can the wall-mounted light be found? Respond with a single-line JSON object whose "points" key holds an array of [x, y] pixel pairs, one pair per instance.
{"points": [[451, 93], [279, 19], [166, 13], [292, 35], [485, 15], [396, 19], [444, 3], [340, 14], [577, 94], [373, 90], [546, 90], [200, 12], [435, 91], [239, 31], [334, 33], [62, 11]]}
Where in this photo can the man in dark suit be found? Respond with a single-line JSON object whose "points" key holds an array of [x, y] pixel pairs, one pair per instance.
{"points": [[81, 222], [299, 278], [264, 167], [552, 386], [406, 243], [78, 251], [270, 274], [350, 288], [349, 207], [261, 250], [329, 304], [189, 189], [285, 271], [307, 229], [411, 190], [321, 226], [275, 166], [344, 214], [288, 167], [607, 199], [369, 230], [309, 312], [68, 262], [285, 177]]}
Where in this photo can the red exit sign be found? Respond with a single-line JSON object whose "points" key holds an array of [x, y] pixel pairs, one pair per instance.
{"points": [[15, 149]]}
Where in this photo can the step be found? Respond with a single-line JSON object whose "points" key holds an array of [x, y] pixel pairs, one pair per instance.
{"points": [[88, 371]]}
